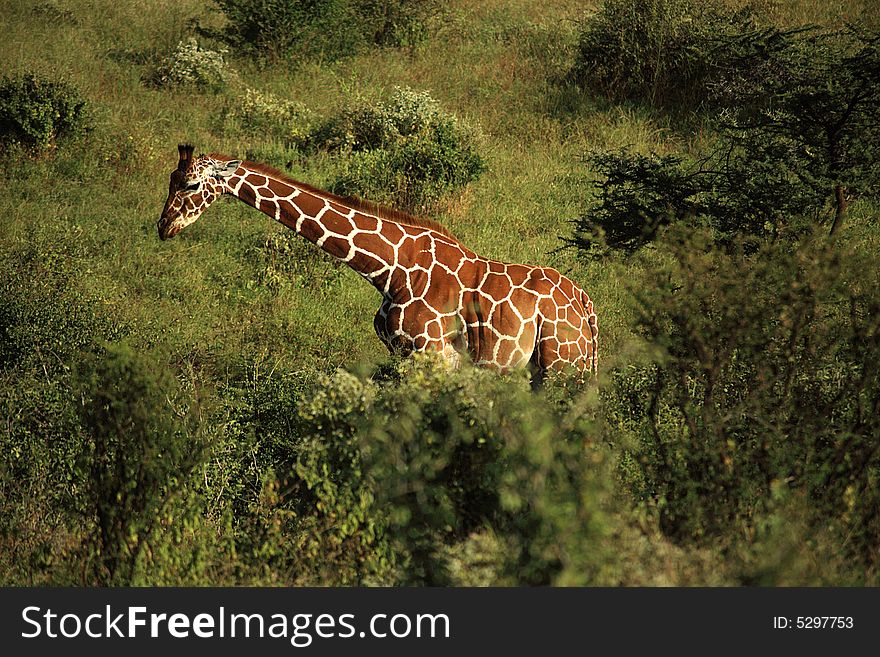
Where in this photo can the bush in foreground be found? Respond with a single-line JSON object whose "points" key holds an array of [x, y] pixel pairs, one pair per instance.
{"points": [[764, 393]]}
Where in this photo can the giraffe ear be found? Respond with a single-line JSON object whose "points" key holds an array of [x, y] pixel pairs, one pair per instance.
{"points": [[225, 169]]}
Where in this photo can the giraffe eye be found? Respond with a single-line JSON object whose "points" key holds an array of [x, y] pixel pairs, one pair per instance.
{"points": [[192, 187]]}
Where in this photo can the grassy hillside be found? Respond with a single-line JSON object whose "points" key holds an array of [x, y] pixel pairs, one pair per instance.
{"points": [[226, 383]]}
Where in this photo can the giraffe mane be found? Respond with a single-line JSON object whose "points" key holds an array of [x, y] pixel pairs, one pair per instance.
{"points": [[356, 203]]}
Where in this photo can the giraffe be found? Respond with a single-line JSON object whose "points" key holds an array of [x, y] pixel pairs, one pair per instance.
{"points": [[437, 294]]}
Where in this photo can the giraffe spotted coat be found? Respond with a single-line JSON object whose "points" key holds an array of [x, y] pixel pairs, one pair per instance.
{"points": [[437, 295]]}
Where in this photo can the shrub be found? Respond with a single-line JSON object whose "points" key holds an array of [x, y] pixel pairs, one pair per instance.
{"points": [[667, 52], [291, 260], [39, 446], [389, 480], [323, 29], [193, 66], [736, 197], [266, 115], [397, 22], [139, 458], [767, 380], [408, 152], [47, 319], [37, 112]]}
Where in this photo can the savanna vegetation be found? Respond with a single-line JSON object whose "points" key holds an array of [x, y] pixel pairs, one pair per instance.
{"points": [[216, 410]]}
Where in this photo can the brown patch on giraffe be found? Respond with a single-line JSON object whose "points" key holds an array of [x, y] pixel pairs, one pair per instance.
{"points": [[268, 206], [524, 301], [469, 310], [483, 305], [470, 273], [339, 208], [441, 280], [370, 243], [443, 294], [505, 320], [537, 281], [559, 298], [311, 230], [496, 267], [256, 180], [247, 195], [518, 274], [564, 351], [506, 347], [567, 288], [434, 330], [336, 246], [367, 263], [392, 232], [416, 315], [338, 224], [497, 286], [279, 188], [449, 255], [417, 282], [422, 244], [398, 281], [366, 222], [566, 333], [308, 204]]}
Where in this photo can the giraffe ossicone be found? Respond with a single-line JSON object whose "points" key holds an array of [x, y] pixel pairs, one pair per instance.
{"points": [[437, 295]]}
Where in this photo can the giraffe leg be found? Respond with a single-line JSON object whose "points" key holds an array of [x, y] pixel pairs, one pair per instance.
{"points": [[538, 376]]}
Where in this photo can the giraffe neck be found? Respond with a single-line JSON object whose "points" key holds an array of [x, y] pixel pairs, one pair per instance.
{"points": [[367, 242]]}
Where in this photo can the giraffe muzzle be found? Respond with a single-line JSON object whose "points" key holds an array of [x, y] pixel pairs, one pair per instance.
{"points": [[167, 229]]}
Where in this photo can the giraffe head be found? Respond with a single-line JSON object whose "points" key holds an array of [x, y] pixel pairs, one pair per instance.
{"points": [[195, 184]]}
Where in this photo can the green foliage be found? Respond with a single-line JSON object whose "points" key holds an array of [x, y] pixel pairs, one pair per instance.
{"points": [[37, 112], [41, 488], [408, 153], [809, 109], [322, 29], [47, 318], [396, 22], [798, 120], [190, 65], [767, 376], [266, 115], [139, 456], [293, 261], [304, 512], [667, 52], [393, 480], [734, 196], [413, 474]]}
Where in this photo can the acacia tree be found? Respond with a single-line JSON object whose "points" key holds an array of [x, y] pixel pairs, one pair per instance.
{"points": [[811, 108], [799, 129]]}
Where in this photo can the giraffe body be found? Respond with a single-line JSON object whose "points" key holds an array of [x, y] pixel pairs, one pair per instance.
{"points": [[437, 295]]}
